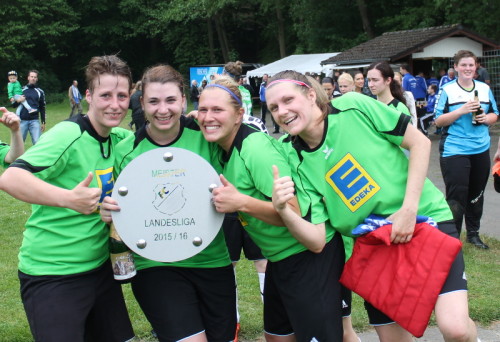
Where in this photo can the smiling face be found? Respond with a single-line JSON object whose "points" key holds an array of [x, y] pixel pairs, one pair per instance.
{"points": [[108, 102], [218, 117], [466, 67], [292, 109], [163, 104], [359, 80], [377, 84]]}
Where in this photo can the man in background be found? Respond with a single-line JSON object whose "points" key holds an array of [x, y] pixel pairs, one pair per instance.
{"points": [[75, 99]]}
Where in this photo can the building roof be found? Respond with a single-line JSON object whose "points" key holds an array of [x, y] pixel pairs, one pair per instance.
{"points": [[394, 46], [301, 63]]}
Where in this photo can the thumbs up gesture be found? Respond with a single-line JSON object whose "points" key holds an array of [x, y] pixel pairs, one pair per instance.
{"points": [[283, 190], [226, 198], [84, 199]]}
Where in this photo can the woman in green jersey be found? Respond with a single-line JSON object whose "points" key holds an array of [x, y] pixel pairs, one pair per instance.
{"points": [[301, 290], [340, 158], [382, 84], [192, 299]]}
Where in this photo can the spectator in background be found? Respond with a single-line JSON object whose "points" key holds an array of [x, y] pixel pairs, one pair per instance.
{"points": [[202, 86], [425, 120], [194, 94], [359, 82], [432, 80], [447, 78], [328, 85], [262, 97], [135, 105], [30, 121], [346, 83], [410, 100], [465, 145], [383, 85], [482, 74], [75, 99], [15, 93]]}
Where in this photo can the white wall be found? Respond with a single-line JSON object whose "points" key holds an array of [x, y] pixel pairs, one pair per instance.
{"points": [[449, 46]]}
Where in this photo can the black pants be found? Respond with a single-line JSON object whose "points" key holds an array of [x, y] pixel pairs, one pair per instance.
{"points": [[465, 178]]}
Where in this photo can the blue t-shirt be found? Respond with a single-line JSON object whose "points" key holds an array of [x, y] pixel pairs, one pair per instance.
{"points": [[462, 137]]}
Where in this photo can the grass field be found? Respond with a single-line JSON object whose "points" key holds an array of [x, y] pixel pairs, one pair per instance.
{"points": [[482, 272]]}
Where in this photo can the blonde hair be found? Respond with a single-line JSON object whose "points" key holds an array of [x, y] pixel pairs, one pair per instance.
{"points": [[228, 83], [346, 77]]}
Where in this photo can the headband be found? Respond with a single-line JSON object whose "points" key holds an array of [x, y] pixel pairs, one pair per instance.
{"points": [[226, 89], [300, 83]]}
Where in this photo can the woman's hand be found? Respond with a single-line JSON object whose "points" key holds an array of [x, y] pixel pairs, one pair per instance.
{"points": [[107, 206], [283, 190], [226, 198], [403, 225]]}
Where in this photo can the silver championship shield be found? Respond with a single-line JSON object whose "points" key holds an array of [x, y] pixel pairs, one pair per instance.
{"points": [[166, 204]]}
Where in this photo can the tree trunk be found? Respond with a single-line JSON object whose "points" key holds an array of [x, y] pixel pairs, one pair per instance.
{"points": [[219, 28], [211, 47], [281, 29], [363, 12]]}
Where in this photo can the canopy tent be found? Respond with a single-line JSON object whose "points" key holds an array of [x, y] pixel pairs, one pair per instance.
{"points": [[302, 63]]}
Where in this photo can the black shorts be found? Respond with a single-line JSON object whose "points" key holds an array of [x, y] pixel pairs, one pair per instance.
{"points": [[181, 302], [302, 294], [237, 239], [86, 306], [346, 301], [455, 281]]}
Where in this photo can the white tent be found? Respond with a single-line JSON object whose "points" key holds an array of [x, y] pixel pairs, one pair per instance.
{"points": [[301, 63]]}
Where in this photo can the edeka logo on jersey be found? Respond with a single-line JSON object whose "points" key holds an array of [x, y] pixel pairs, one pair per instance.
{"points": [[105, 181], [351, 182]]}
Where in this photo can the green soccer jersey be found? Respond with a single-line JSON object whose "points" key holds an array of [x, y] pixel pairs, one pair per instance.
{"points": [[61, 241], [359, 168], [399, 106], [189, 138], [246, 98], [248, 166], [4, 149]]}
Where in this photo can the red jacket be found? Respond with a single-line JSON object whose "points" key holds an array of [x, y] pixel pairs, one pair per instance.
{"points": [[402, 280]]}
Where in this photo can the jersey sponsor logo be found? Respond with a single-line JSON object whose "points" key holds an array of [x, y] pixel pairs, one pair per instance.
{"points": [[105, 181], [351, 182], [327, 151]]}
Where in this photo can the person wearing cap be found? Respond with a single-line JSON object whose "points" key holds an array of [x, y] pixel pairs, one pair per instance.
{"points": [[15, 92], [30, 121]]}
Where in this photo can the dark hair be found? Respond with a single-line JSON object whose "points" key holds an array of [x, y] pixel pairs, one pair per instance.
{"points": [[162, 73], [463, 54], [100, 65], [386, 72], [294, 75], [434, 87], [327, 80], [33, 70], [405, 66]]}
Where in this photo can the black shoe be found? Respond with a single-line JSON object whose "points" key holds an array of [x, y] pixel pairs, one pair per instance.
{"points": [[276, 132], [476, 241]]}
